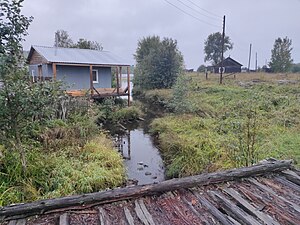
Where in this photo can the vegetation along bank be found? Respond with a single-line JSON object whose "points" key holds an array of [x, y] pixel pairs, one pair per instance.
{"points": [[213, 127]]}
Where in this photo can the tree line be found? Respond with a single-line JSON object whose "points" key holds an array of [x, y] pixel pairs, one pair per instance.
{"points": [[281, 59], [63, 40]]}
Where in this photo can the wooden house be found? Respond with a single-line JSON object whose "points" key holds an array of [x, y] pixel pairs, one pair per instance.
{"points": [[229, 66], [83, 70]]}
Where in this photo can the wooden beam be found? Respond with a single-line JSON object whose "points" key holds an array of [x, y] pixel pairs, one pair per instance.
{"points": [[54, 70], [91, 80], [42, 206], [87, 65], [233, 210], [117, 76], [128, 84]]}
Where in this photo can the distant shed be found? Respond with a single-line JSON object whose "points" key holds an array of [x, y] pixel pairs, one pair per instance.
{"points": [[230, 66]]}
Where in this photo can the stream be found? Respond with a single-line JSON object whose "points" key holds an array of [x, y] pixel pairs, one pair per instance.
{"points": [[142, 159]]}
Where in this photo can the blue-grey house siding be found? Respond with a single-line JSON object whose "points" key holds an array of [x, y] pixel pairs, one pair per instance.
{"points": [[78, 77], [73, 66]]}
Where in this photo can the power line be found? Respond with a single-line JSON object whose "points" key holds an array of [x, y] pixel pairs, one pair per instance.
{"points": [[191, 14], [215, 15], [210, 17]]}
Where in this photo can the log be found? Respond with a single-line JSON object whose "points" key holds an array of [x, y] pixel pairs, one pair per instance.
{"points": [[42, 206]]}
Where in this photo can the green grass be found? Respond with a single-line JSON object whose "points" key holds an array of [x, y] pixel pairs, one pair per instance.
{"points": [[221, 126], [76, 170]]}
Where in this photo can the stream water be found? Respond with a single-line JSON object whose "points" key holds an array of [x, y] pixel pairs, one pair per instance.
{"points": [[142, 159], [143, 162]]}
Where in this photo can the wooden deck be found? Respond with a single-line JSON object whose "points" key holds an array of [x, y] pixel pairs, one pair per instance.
{"points": [[99, 92], [267, 193]]}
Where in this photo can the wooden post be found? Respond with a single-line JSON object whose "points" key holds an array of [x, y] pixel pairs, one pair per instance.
{"points": [[120, 77], [91, 80], [120, 80], [54, 70], [128, 84], [222, 53], [117, 75]]}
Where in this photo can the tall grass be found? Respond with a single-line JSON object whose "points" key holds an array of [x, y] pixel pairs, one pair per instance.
{"points": [[230, 125], [75, 170]]}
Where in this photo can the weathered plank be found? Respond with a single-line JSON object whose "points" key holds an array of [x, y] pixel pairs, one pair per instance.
{"points": [[42, 206], [17, 222], [234, 211], [213, 210], [288, 183], [270, 191], [142, 213], [64, 219], [292, 176], [128, 216], [247, 206], [103, 216]]}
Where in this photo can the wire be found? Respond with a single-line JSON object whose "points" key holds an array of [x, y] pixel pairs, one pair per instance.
{"points": [[213, 14], [210, 24], [197, 10]]}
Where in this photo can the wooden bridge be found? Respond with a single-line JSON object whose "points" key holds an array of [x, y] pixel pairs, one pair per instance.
{"points": [[267, 193]]}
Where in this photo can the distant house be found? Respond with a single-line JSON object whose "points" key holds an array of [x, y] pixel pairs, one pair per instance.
{"points": [[83, 70], [229, 66]]}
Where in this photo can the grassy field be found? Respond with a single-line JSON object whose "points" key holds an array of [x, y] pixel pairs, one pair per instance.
{"points": [[249, 118]]}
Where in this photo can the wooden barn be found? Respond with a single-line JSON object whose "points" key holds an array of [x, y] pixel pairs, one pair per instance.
{"points": [[84, 71], [229, 66]]}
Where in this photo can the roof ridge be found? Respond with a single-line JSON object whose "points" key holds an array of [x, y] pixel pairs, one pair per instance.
{"points": [[53, 47]]}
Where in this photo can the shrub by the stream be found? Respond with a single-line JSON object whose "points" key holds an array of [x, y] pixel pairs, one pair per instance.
{"points": [[112, 111]]}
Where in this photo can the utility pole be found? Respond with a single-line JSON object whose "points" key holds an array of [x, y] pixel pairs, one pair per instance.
{"points": [[222, 54], [249, 58], [255, 61]]}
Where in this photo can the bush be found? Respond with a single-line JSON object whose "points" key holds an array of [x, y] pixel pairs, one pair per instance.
{"points": [[113, 112]]}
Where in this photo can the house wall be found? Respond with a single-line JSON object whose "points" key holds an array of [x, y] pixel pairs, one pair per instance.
{"points": [[45, 70], [78, 77]]}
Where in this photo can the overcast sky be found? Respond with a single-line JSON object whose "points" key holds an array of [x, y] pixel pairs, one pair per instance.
{"points": [[120, 24]]}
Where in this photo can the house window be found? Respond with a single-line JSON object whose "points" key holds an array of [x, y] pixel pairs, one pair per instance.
{"points": [[95, 76]]}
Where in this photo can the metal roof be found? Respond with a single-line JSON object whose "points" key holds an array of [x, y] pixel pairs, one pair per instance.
{"points": [[78, 56]]}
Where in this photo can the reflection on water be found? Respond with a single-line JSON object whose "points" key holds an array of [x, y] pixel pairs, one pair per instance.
{"points": [[141, 157]]}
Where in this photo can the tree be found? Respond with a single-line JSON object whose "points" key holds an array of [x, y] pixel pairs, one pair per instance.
{"points": [[281, 60], [201, 69], [86, 44], [20, 100], [159, 62], [63, 39], [213, 47]]}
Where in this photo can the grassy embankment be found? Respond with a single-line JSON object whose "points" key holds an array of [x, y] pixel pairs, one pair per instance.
{"points": [[65, 157], [250, 118]]}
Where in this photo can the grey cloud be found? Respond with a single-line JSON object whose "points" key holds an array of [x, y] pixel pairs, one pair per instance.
{"points": [[118, 24]]}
